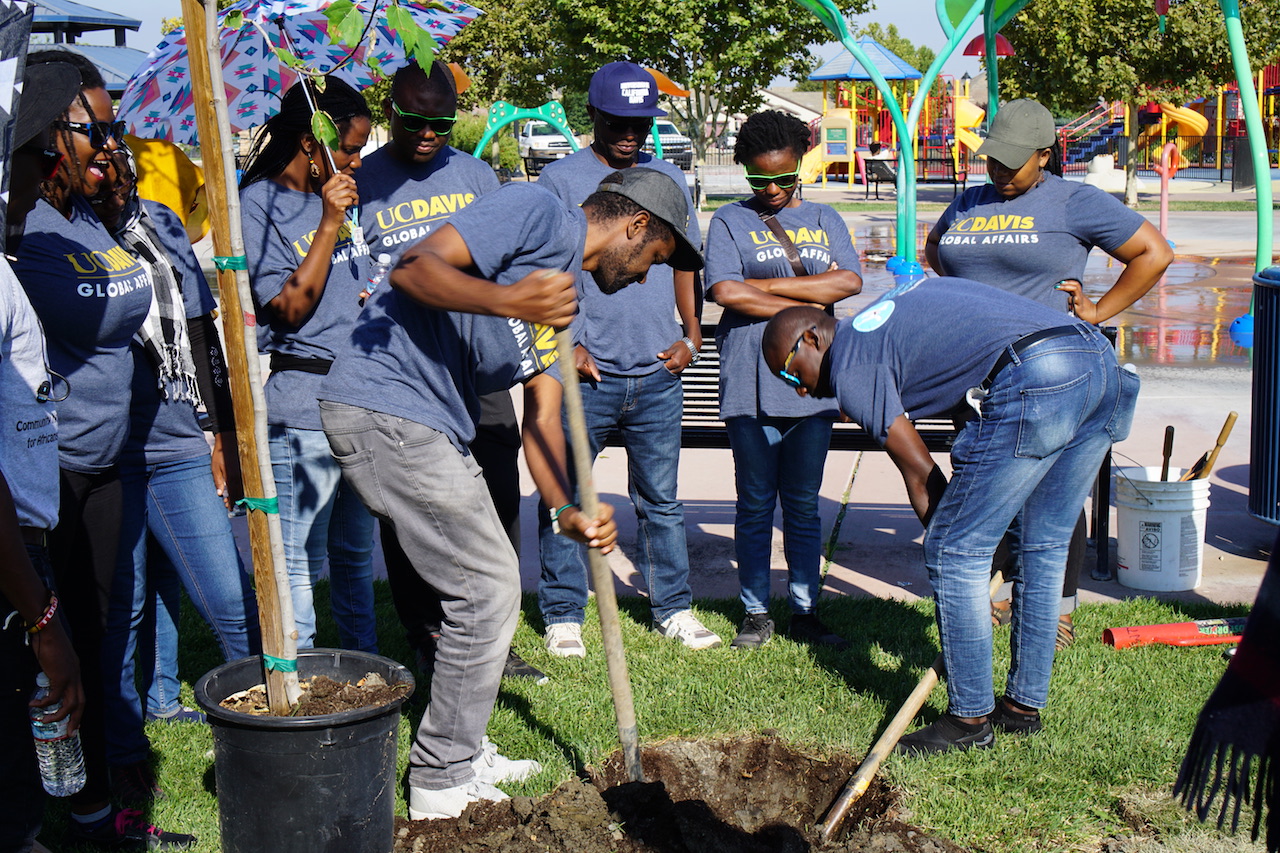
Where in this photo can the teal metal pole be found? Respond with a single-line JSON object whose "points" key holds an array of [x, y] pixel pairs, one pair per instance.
{"points": [[826, 12], [1253, 124], [956, 36], [989, 30]]}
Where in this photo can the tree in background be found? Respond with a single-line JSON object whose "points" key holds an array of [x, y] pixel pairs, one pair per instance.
{"points": [[508, 52], [723, 51], [1070, 53]]}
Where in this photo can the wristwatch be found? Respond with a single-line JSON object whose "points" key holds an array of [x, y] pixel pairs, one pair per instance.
{"points": [[693, 351]]}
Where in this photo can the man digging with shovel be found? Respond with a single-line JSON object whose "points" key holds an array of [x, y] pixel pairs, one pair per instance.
{"points": [[1045, 401], [471, 310]]}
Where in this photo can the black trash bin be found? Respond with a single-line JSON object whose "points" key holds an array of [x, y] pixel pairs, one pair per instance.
{"points": [[320, 784], [1242, 174], [1264, 451]]}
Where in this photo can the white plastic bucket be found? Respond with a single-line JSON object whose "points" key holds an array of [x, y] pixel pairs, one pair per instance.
{"points": [[1159, 529]]}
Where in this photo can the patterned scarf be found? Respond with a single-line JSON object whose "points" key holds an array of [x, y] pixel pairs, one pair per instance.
{"points": [[164, 333], [1235, 748]]}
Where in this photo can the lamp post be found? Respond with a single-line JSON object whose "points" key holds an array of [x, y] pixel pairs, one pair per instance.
{"points": [[965, 78]]}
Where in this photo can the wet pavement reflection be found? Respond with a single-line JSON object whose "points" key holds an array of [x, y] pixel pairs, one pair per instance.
{"points": [[1184, 320]]}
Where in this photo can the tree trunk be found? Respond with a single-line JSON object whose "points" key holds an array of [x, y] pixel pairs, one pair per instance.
{"points": [[1131, 162]]}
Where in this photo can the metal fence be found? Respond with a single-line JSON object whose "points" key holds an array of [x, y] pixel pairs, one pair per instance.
{"points": [[1209, 157]]}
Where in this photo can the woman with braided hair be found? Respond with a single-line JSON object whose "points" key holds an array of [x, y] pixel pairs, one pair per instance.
{"points": [[92, 297], [307, 265], [766, 253]]}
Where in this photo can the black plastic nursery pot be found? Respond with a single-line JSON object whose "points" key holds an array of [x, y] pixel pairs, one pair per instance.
{"points": [[319, 784]]}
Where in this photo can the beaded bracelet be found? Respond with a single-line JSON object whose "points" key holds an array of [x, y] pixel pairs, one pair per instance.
{"points": [[45, 618]]}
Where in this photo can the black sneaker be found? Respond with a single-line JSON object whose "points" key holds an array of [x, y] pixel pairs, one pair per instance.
{"points": [[518, 667], [807, 628], [125, 829], [1012, 722], [945, 734], [757, 628], [135, 784], [425, 656]]}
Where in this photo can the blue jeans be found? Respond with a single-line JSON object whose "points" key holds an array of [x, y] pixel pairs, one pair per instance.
{"points": [[778, 459], [174, 532], [1044, 426], [646, 410], [320, 514], [436, 500]]}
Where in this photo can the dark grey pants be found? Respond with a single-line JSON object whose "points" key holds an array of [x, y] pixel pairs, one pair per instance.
{"points": [[411, 477]]}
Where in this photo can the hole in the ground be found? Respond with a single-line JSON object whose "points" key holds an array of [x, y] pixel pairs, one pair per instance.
{"points": [[735, 795]]}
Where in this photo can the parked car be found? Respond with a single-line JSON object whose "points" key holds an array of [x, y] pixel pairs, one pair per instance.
{"points": [[540, 144], [676, 147]]}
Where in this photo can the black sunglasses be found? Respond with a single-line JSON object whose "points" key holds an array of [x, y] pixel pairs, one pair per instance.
{"points": [[97, 131], [618, 124], [414, 123]]}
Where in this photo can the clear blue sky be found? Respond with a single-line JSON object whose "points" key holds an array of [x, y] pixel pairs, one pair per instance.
{"points": [[915, 20]]}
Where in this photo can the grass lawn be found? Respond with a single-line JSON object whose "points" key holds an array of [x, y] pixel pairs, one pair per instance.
{"points": [[1116, 728]]}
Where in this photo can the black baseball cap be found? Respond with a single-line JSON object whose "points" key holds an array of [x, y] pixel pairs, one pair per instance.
{"points": [[662, 197]]}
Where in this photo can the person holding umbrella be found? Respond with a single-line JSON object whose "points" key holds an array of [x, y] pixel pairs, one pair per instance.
{"points": [[307, 265], [92, 297]]}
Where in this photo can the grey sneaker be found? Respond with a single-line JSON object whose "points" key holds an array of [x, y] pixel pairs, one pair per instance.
{"points": [[757, 628], [426, 804], [564, 640], [685, 627]]}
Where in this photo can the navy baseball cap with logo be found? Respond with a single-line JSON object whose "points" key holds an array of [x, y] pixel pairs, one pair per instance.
{"points": [[624, 89]]}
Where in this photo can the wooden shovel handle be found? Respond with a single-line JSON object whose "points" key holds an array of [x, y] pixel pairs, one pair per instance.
{"points": [[1222, 439]]}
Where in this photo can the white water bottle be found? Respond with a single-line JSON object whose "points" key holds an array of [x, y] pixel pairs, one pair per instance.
{"points": [[378, 269], [59, 755]]}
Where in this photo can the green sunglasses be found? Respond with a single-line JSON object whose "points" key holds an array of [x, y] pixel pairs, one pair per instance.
{"points": [[790, 378], [414, 123], [785, 181]]}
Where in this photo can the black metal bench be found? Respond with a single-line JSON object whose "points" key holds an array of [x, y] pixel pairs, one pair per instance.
{"points": [[877, 172], [940, 170]]}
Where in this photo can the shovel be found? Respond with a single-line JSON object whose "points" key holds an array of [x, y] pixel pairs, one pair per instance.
{"points": [[1205, 463], [624, 707], [861, 780]]}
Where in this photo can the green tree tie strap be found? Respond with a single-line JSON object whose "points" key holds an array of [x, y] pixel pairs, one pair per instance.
{"points": [[270, 505], [231, 262], [280, 664]]}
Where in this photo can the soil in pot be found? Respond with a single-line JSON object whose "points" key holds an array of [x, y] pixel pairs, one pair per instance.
{"points": [[322, 695], [747, 794]]}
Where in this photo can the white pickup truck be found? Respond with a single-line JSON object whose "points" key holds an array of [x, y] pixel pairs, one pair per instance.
{"points": [[540, 144]]}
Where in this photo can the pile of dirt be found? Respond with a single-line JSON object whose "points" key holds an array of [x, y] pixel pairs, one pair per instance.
{"points": [[322, 695], [739, 795]]}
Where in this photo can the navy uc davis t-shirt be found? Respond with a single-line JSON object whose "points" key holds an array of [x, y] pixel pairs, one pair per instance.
{"points": [[1027, 244], [430, 366], [279, 224], [166, 430], [623, 331], [740, 246], [91, 296], [402, 203], [919, 348]]}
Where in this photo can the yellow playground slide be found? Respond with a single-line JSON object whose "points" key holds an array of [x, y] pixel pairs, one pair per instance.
{"points": [[811, 166], [968, 138], [1189, 122]]}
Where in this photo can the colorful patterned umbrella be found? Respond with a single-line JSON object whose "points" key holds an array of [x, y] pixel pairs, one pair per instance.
{"points": [[158, 103]]}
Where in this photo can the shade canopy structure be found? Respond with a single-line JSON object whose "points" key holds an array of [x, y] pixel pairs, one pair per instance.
{"points": [[978, 46], [67, 21], [843, 66]]}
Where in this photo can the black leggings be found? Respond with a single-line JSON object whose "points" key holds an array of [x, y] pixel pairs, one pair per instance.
{"points": [[83, 549]]}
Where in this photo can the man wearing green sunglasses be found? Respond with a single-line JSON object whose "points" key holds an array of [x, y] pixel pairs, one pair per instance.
{"points": [[410, 187]]}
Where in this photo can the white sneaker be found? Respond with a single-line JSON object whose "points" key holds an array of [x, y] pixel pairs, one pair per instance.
{"points": [[685, 627], [427, 804], [494, 768], [564, 640]]}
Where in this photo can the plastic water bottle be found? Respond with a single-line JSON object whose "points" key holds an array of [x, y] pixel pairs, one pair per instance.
{"points": [[378, 270], [59, 755]]}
